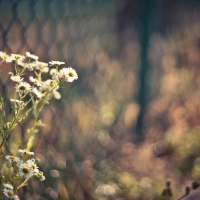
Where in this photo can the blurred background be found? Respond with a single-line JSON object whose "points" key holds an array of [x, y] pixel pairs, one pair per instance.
{"points": [[131, 121]]}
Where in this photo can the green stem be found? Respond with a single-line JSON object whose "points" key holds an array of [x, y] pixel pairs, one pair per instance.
{"points": [[10, 127], [26, 180], [16, 120], [16, 188], [37, 102]]}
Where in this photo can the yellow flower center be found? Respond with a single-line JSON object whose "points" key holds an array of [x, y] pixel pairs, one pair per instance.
{"points": [[25, 170], [71, 74], [52, 84], [10, 193], [26, 150], [12, 157], [17, 56], [41, 67], [5, 57]]}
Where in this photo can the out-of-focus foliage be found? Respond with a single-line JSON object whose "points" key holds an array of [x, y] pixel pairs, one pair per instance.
{"points": [[86, 151]]}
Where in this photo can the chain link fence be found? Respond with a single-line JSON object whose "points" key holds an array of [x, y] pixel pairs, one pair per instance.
{"points": [[47, 27], [83, 34]]}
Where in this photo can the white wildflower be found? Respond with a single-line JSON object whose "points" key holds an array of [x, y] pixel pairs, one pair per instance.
{"points": [[51, 84], [33, 165], [17, 57], [5, 57], [42, 66], [23, 87], [32, 56], [35, 81], [68, 74], [12, 159], [44, 88], [56, 63], [8, 186], [37, 93], [64, 74], [25, 151], [25, 170], [9, 193], [72, 75], [16, 79]]}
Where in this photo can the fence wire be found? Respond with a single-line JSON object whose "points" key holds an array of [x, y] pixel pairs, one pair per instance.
{"points": [[41, 27]]}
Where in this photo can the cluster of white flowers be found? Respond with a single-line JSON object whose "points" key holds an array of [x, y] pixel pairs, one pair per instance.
{"points": [[23, 168], [8, 192], [64, 74], [37, 87]]}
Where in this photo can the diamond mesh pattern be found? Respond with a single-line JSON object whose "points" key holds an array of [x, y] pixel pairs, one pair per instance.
{"points": [[77, 32]]}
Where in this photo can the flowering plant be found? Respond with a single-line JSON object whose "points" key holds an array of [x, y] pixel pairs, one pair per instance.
{"points": [[31, 93]]}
